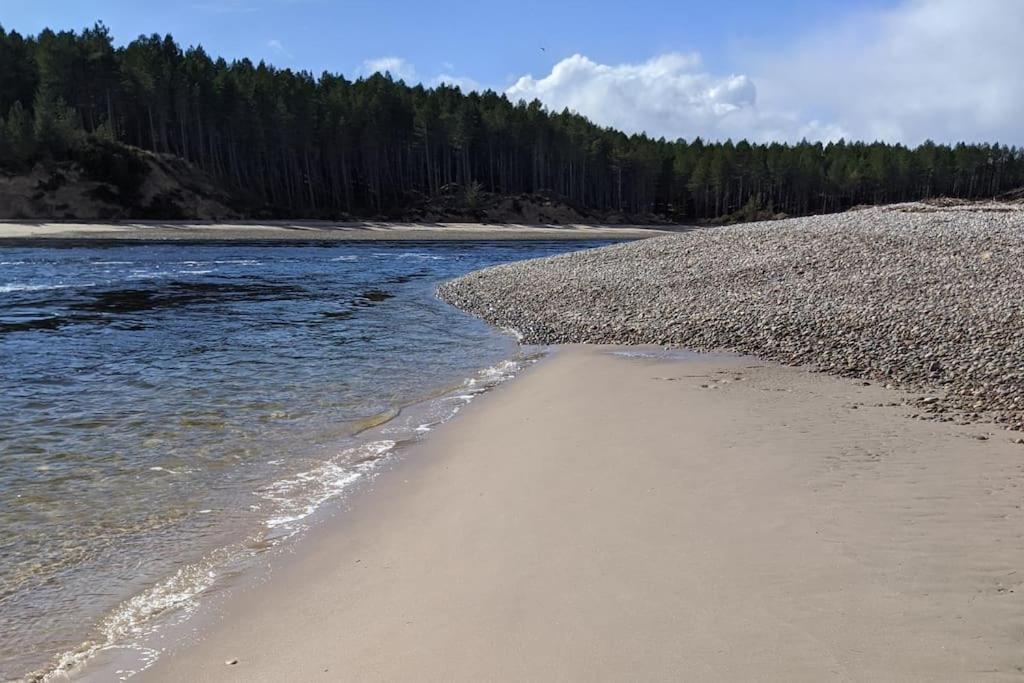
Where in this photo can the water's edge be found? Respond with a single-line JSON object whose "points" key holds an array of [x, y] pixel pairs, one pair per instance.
{"points": [[176, 412], [133, 636]]}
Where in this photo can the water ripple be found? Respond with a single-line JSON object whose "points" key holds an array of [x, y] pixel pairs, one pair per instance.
{"points": [[162, 425]]}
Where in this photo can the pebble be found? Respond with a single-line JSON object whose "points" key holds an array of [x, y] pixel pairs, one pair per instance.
{"points": [[895, 295]]}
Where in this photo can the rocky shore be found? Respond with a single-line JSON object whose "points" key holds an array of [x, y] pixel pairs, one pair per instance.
{"points": [[923, 297]]}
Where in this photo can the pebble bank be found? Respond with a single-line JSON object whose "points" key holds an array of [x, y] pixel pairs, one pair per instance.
{"points": [[923, 297]]}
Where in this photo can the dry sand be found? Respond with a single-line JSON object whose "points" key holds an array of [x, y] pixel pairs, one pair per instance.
{"points": [[607, 517], [318, 230]]}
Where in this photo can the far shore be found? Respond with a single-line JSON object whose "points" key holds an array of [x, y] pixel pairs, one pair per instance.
{"points": [[319, 230], [616, 515]]}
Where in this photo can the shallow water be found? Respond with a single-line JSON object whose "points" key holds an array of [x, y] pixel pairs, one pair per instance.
{"points": [[170, 409]]}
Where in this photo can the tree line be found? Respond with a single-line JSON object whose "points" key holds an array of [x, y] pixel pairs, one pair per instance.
{"points": [[323, 146]]}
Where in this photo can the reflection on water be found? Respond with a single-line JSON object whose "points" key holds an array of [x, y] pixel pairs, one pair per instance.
{"points": [[166, 407]]}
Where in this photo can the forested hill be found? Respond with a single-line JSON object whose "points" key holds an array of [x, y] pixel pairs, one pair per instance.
{"points": [[290, 144]]}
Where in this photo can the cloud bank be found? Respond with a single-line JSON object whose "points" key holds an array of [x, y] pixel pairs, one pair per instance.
{"points": [[670, 95], [942, 69]]}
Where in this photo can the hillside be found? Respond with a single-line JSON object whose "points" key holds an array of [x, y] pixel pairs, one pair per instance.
{"points": [[104, 180], [111, 181]]}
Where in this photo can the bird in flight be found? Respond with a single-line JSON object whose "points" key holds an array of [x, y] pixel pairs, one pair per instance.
{"points": [[543, 49]]}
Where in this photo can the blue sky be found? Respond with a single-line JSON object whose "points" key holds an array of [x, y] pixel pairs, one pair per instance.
{"points": [[493, 43], [899, 70]]}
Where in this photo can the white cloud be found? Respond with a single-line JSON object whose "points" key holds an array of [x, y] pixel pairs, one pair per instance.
{"points": [[942, 69], [398, 67], [464, 83], [670, 95], [278, 48]]}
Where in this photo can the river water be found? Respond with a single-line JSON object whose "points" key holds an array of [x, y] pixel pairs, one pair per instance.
{"points": [[169, 410]]}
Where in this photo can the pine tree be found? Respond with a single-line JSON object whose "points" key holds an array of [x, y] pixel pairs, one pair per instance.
{"points": [[56, 128], [295, 145], [20, 136]]}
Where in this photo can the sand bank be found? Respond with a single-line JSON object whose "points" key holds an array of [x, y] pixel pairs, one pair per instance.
{"points": [[612, 517], [317, 230]]}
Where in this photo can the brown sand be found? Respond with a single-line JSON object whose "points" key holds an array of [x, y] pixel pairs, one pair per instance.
{"points": [[319, 230], [614, 518]]}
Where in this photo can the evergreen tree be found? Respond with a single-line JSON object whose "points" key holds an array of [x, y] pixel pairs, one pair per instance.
{"points": [[303, 146], [20, 137]]}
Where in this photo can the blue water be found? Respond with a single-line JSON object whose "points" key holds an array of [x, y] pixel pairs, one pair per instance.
{"points": [[168, 409]]}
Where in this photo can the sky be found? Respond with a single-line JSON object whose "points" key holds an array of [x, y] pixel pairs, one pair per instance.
{"points": [[892, 70]]}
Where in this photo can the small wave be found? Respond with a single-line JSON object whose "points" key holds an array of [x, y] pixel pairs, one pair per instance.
{"points": [[410, 255], [13, 263], [345, 258], [148, 274], [165, 470], [195, 272], [217, 262], [502, 371], [299, 496], [422, 257], [16, 287], [136, 617], [287, 502], [112, 263]]}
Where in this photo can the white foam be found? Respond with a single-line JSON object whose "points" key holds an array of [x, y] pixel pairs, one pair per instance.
{"points": [[300, 495], [232, 261], [16, 287], [422, 257], [502, 372], [410, 255], [136, 617], [287, 503], [148, 274]]}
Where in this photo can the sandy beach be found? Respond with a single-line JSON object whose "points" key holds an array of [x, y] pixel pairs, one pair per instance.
{"points": [[318, 230], [613, 516]]}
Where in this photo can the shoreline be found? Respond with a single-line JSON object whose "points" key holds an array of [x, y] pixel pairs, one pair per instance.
{"points": [[129, 638], [379, 296], [13, 232], [619, 512]]}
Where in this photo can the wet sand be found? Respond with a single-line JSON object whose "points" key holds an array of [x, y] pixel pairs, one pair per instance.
{"points": [[607, 517], [318, 230]]}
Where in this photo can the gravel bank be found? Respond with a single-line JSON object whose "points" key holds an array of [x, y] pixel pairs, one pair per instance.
{"points": [[923, 297]]}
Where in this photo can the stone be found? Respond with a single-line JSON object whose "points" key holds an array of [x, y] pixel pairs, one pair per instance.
{"points": [[883, 294]]}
